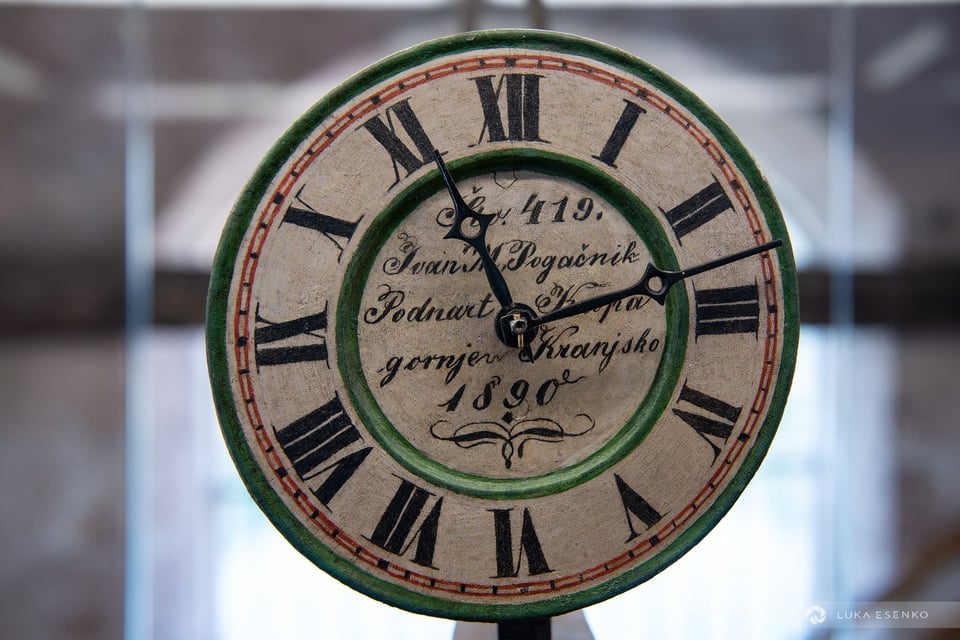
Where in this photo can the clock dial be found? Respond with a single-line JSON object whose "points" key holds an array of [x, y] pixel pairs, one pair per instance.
{"points": [[356, 323]]}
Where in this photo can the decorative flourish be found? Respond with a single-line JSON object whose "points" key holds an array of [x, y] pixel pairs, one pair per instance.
{"points": [[513, 436]]}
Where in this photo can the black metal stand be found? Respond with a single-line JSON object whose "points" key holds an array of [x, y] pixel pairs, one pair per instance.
{"points": [[528, 629]]}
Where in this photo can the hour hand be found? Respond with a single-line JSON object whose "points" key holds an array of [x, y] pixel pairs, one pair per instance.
{"points": [[471, 227], [654, 284]]}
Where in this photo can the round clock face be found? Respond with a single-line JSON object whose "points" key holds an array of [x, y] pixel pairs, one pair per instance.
{"points": [[502, 326]]}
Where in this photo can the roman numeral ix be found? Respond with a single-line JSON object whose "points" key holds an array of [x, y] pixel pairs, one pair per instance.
{"points": [[305, 338]]}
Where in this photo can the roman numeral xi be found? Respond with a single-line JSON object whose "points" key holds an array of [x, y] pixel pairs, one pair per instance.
{"points": [[386, 133]]}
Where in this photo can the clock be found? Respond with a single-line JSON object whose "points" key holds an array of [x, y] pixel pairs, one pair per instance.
{"points": [[502, 326]]}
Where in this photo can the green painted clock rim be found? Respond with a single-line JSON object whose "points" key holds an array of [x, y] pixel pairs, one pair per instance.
{"points": [[245, 208], [628, 437]]}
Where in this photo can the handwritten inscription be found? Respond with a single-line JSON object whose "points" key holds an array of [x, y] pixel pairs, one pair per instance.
{"points": [[452, 364], [559, 344], [450, 386], [392, 306], [512, 256]]}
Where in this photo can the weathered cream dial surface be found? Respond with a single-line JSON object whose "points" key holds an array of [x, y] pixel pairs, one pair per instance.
{"points": [[487, 451]]}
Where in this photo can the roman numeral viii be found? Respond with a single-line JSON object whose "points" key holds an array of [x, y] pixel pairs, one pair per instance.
{"points": [[522, 96], [529, 545], [305, 338], [698, 209], [727, 310], [713, 419], [395, 530], [314, 442], [400, 153]]}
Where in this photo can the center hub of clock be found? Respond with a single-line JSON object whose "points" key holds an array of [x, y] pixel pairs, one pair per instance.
{"points": [[515, 326]]}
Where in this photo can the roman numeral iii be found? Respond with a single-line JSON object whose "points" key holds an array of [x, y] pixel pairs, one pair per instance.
{"points": [[727, 310]]}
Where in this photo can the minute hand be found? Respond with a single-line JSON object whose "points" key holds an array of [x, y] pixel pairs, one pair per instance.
{"points": [[463, 217], [643, 287]]}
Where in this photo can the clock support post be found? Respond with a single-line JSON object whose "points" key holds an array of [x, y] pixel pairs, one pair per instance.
{"points": [[526, 629]]}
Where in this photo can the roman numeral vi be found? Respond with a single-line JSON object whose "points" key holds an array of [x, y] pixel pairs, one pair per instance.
{"points": [[529, 545]]}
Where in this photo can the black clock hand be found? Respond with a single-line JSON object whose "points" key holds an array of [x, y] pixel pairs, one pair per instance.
{"points": [[647, 285], [471, 227]]}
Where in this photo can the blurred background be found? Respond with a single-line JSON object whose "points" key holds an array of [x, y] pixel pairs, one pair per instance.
{"points": [[128, 128]]}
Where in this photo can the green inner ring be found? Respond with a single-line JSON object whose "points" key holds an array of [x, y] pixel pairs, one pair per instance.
{"points": [[651, 233]]}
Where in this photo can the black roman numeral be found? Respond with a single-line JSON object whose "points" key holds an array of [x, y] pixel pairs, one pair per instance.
{"points": [[621, 131], [636, 506], [698, 209], [334, 229], [267, 332], [393, 532], [529, 545], [311, 442], [400, 154], [714, 421], [727, 310], [523, 107]]}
